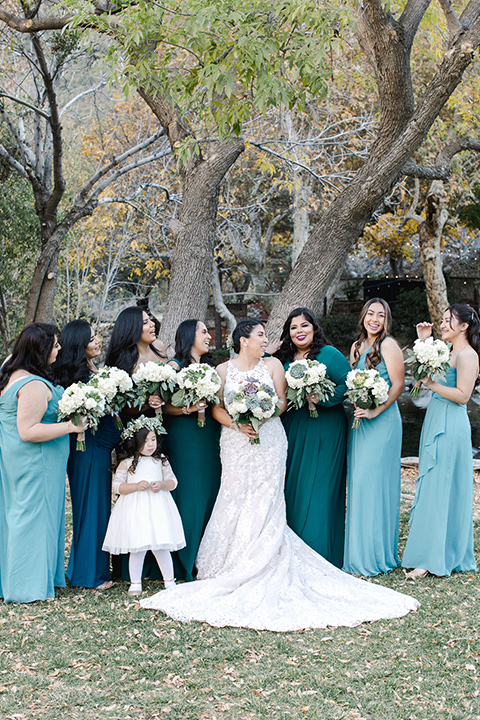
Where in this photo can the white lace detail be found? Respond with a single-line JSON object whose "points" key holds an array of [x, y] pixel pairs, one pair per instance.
{"points": [[253, 570]]}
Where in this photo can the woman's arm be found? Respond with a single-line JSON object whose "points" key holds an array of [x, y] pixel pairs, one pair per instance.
{"points": [[32, 402], [467, 374], [393, 358], [337, 370], [275, 368]]}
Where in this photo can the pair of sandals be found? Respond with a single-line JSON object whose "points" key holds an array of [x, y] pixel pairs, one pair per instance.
{"points": [[416, 574]]}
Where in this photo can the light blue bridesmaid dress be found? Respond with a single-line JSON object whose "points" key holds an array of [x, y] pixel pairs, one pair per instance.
{"points": [[32, 504], [441, 526], [373, 490]]}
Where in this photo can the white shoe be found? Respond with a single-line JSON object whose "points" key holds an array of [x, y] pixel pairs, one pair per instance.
{"points": [[135, 589], [169, 583]]}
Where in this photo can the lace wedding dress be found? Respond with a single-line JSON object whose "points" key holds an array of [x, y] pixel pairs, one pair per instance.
{"points": [[253, 571]]}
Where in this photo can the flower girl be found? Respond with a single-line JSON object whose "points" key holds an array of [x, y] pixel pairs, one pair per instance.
{"points": [[145, 516]]}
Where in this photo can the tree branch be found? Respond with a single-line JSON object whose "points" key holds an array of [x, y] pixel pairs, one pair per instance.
{"points": [[411, 18], [442, 167], [99, 85], [454, 25], [28, 25], [26, 104]]}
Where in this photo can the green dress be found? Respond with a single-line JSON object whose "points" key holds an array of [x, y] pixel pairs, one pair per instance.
{"points": [[316, 465], [194, 454], [32, 504]]}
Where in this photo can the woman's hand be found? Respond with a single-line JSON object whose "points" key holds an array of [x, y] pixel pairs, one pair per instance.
{"points": [[79, 428], [201, 405], [424, 330], [313, 399], [367, 413], [248, 431], [155, 402]]}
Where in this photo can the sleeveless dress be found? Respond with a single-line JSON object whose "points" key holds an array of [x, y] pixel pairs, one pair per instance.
{"points": [[194, 454], [441, 526], [254, 571], [90, 481], [373, 490], [143, 520], [316, 465], [32, 504]]}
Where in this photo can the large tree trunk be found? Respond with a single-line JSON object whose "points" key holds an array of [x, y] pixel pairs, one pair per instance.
{"points": [[195, 234], [429, 236]]}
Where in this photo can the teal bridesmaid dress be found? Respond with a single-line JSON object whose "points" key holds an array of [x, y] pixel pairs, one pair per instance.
{"points": [[90, 480], [373, 490], [32, 504], [316, 465], [194, 454], [441, 526]]}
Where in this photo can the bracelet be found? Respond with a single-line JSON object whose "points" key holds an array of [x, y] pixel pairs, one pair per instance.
{"points": [[185, 411]]}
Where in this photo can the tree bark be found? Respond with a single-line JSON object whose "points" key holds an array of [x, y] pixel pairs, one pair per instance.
{"points": [[429, 236], [194, 239]]}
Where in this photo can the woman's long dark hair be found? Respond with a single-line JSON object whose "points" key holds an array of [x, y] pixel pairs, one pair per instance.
{"points": [[31, 352], [131, 448], [466, 314], [122, 351], [184, 340], [374, 357], [71, 365], [286, 351]]}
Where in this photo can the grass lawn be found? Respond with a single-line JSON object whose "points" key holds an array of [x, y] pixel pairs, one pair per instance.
{"points": [[90, 655]]}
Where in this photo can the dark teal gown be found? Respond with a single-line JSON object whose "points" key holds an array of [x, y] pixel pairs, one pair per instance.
{"points": [[32, 504], [90, 481], [441, 525], [373, 486], [316, 465], [194, 454]]}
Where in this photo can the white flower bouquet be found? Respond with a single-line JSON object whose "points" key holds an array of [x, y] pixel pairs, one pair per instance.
{"points": [[251, 402], [429, 357], [197, 382], [308, 377], [153, 378], [116, 387], [82, 403], [367, 389]]}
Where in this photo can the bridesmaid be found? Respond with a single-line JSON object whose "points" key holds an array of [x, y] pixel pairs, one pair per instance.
{"points": [[133, 342], [33, 463], [441, 527], [198, 469], [88, 472], [374, 450], [316, 460]]}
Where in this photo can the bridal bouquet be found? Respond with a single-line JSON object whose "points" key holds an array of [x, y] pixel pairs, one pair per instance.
{"points": [[153, 378], [308, 377], [196, 383], [251, 402], [367, 389], [428, 357], [116, 387], [82, 403]]}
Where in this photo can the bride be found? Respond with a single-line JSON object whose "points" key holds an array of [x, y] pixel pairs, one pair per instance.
{"points": [[253, 571]]}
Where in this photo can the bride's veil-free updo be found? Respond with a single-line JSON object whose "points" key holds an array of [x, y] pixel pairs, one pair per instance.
{"points": [[244, 329]]}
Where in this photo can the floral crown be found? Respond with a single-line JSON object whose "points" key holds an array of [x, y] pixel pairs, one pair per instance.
{"points": [[153, 424]]}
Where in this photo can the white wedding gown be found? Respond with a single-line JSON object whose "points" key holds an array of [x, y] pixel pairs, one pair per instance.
{"points": [[253, 571]]}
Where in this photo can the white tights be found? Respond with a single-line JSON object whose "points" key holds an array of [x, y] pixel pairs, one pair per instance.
{"points": [[163, 558]]}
